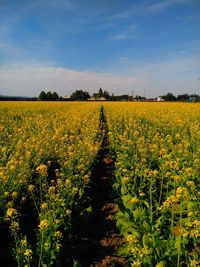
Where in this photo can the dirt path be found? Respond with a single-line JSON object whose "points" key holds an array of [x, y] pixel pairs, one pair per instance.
{"points": [[98, 238]]}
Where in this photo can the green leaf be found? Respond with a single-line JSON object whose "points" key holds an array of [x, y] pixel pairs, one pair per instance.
{"points": [[146, 226]]}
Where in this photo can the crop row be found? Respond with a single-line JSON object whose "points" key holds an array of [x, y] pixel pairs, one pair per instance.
{"points": [[46, 153], [157, 151]]}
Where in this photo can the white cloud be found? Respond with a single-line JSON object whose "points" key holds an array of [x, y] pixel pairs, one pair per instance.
{"points": [[23, 80], [178, 76]]}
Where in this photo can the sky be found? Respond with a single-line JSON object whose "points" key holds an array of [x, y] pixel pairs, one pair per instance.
{"points": [[140, 47]]}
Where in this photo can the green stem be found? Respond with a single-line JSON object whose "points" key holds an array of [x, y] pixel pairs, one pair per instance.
{"points": [[15, 239], [151, 202], [35, 203], [180, 225], [161, 189], [41, 250]]}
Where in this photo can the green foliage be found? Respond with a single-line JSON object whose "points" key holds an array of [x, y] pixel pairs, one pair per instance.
{"points": [[43, 96], [80, 95], [49, 96]]}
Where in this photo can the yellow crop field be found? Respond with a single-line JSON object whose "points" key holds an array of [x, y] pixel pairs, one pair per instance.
{"points": [[157, 149], [47, 156], [46, 152]]}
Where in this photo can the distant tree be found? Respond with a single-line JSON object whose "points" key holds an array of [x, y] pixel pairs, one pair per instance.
{"points": [[43, 96], [197, 97], [95, 95], [55, 96], [80, 95], [106, 95], [138, 98], [112, 97], [169, 97], [183, 97], [49, 96], [100, 92]]}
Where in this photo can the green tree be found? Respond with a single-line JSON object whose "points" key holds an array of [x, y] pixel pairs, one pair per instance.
{"points": [[106, 95], [100, 92], [43, 96], [169, 97], [55, 96], [49, 96], [184, 97], [80, 95]]}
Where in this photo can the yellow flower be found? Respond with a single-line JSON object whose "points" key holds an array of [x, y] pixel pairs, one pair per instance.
{"points": [[125, 180], [194, 263], [67, 182], [24, 242], [190, 184], [23, 199], [181, 192], [58, 234], [15, 226], [68, 212], [31, 188], [14, 194], [131, 239], [28, 253], [44, 206], [47, 245], [43, 224], [161, 264], [11, 212], [188, 170], [134, 200], [57, 222], [6, 194], [196, 161], [59, 182], [137, 263], [52, 190], [42, 169]]}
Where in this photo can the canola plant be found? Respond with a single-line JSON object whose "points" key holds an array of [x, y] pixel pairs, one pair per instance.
{"points": [[47, 150]]}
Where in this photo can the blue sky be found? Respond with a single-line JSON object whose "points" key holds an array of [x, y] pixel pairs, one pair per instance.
{"points": [[149, 46]]}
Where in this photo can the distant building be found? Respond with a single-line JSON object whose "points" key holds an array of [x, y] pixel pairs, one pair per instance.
{"points": [[160, 99], [66, 97], [191, 99], [92, 99], [97, 98]]}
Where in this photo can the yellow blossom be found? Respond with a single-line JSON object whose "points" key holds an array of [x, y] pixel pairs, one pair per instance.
{"points": [[134, 200], [31, 188], [44, 206], [44, 224], [42, 170], [11, 212], [58, 234], [51, 189], [23, 242], [28, 253]]}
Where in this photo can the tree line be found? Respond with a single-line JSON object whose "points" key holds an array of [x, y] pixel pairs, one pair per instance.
{"points": [[80, 95], [183, 97], [49, 96]]}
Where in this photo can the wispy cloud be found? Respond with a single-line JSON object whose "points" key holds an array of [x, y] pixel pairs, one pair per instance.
{"points": [[147, 7], [128, 33]]}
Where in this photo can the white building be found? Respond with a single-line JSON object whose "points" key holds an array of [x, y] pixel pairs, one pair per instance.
{"points": [[160, 99]]}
